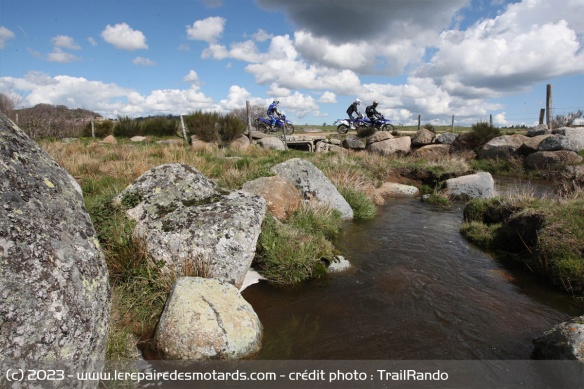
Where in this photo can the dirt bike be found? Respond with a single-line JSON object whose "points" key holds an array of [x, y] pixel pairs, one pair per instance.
{"points": [[380, 123], [282, 124], [344, 125]]}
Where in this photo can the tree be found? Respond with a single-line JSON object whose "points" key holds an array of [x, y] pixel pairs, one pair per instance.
{"points": [[566, 120], [256, 110], [8, 104]]}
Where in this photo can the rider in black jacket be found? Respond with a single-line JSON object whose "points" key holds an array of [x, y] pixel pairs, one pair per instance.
{"points": [[353, 108], [372, 112]]}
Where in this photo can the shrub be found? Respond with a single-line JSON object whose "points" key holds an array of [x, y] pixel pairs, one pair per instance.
{"points": [[430, 127], [102, 128], [230, 127], [204, 125], [127, 127], [159, 126], [484, 132]]}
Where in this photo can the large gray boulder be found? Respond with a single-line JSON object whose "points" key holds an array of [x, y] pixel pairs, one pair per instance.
{"points": [[563, 341], [551, 159], [502, 147], [313, 184], [446, 138], [272, 143], [206, 319], [282, 197], [423, 137], [575, 135], [54, 289], [557, 142], [432, 152], [401, 145], [541, 129], [478, 185], [531, 145], [186, 221], [354, 142], [326, 147]]}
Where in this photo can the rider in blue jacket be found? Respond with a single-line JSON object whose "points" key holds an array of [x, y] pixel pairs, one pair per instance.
{"points": [[273, 111]]}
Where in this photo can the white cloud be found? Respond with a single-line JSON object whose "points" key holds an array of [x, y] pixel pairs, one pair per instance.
{"points": [[262, 36], [143, 61], [208, 30], [277, 91], [300, 104], [5, 36], [124, 37], [60, 56], [91, 41], [107, 99], [65, 42], [527, 43], [192, 78], [328, 98]]}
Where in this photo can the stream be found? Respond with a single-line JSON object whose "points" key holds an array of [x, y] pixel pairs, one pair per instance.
{"points": [[417, 290]]}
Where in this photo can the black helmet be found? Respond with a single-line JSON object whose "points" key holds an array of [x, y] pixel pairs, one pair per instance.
{"points": [[375, 103]]}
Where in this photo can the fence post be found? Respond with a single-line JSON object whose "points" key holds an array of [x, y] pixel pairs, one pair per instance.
{"points": [[248, 120], [491, 120], [452, 125], [92, 127], [419, 122], [184, 129], [548, 106], [541, 115]]}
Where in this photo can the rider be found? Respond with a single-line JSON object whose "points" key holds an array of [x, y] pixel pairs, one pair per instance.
{"points": [[353, 108], [273, 111], [372, 113]]}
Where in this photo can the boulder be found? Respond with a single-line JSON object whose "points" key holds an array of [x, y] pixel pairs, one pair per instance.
{"points": [[446, 138], [313, 184], [54, 289], [563, 341], [354, 142], [432, 152], [575, 135], [281, 195], [393, 146], [502, 147], [172, 142], [423, 137], [379, 136], [241, 142], [206, 319], [464, 141], [272, 143], [325, 147], [531, 144], [392, 189], [186, 221], [541, 129], [138, 138], [110, 140], [551, 159], [557, 142], [478, 185]]}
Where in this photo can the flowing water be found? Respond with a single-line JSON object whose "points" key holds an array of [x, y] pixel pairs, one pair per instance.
{"points": [[416, 290]]}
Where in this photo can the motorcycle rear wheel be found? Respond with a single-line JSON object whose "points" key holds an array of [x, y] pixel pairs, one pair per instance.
{"points": [[342, 129], [263, 127]]}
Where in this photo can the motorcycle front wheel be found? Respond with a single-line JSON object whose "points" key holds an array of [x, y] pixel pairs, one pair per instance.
{"points": [[263, 127], [342, 129], [388, 127]]}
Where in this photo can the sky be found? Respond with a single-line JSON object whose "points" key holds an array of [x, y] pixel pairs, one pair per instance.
{"points": [[474, 59]]}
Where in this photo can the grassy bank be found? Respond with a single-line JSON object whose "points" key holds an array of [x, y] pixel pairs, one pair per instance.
{"points": [[546, 235]]}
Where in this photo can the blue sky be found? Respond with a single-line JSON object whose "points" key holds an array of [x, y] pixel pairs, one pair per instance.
{"points": [[436, 58]]}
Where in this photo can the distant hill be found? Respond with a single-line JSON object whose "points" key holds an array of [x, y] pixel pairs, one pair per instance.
{"points": [[56, 112]]}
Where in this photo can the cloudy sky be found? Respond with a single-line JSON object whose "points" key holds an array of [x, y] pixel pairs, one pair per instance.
{"points": [[436, 58]]}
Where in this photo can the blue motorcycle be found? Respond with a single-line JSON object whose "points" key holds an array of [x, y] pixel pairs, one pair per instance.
{"points": [[282, 124], [381, 124]]}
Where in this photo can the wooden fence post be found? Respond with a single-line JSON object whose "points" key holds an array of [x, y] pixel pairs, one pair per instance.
{"points": [[248, 120], [548, 106], [419, 122], [491, 120], [184, 129], [541, 115], [92, 127], [452, 125]]}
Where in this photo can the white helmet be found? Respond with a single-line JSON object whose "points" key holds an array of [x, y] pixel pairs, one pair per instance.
{"points": [[357, 101]]}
